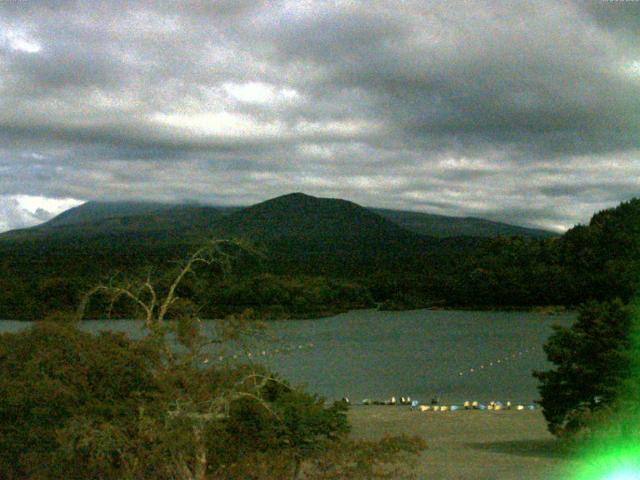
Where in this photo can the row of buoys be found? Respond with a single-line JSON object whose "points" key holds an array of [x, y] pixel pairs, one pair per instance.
{"points": [[391, 401], [264, 353], [438, 408], [468, 405], [493, 405], [500, 361], [496, 406]]}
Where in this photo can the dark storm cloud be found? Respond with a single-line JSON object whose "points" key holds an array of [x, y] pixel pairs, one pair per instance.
{"points": [[527, 112]]}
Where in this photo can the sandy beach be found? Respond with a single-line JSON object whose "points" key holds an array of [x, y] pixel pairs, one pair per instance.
{"points": [[470, 445]]}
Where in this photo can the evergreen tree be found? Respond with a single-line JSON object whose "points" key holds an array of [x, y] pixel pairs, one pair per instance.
{"points": [[591, 361]]}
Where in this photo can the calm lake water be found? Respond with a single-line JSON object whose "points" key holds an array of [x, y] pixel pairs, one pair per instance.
{"points": [[454, 355]]}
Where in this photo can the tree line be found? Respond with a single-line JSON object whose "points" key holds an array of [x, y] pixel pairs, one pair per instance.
{"points": [[599, 261]]}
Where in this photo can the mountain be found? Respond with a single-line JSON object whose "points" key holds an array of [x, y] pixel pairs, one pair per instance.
{"points": [[322, 235], [308, 218], [445, 226], [302, 234], [92, 217], [299, 234], [46, 268]]}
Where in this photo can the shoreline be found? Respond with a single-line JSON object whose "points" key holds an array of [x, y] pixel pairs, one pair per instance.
{"points": [[546, 310], [470, 444]]}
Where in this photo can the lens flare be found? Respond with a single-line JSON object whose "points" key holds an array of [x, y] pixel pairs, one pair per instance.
{"points": [[614, 451], [624, 474], [616, 462]]}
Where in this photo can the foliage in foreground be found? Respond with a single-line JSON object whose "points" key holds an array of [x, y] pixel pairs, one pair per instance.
{"points": [[78, 406], [593, 366]]}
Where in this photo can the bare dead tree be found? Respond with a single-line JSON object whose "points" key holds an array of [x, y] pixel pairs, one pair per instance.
{"points": [[155, 306]]}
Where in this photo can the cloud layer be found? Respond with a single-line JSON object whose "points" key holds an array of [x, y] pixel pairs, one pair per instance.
{"points": [[524, 112]]}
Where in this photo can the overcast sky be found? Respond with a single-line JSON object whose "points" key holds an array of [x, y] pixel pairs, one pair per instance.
{"points": [[527, 113]]}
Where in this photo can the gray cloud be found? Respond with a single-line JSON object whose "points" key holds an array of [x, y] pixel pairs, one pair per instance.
{"points": [[527, 112], [11, 215]]}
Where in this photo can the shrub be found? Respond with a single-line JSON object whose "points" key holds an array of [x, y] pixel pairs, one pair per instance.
{"points": [[52, 374]]}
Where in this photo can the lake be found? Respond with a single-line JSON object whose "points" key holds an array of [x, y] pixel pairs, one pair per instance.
{"points": [[452, 355]]}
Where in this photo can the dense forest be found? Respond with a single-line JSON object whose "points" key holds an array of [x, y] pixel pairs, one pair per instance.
{"points": [[313, 257]]}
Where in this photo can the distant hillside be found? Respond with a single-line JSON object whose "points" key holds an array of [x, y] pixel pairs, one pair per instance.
{"points": [[304, 217], [300, 233], [92, 212], [140, 217], [444, 226], [310, 234], [604, 256], [47, 267], [126, 220], [359, 253]]}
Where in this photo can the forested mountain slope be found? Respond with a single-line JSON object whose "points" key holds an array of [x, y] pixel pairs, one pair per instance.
{"points": [[328, 251]]}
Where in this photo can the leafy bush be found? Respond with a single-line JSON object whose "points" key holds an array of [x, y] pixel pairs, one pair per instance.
{"points": [[81, 407], [52, 374]]}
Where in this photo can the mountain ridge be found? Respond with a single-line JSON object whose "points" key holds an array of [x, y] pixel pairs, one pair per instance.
{"points": [[160, 216], [450, 226], [333, 249], [301, 234]]}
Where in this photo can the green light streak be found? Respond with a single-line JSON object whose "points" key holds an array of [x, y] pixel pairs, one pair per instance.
{"points": [[616, 461], [613, 453]]}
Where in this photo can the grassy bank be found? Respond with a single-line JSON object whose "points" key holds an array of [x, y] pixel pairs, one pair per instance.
{"points": [[471, 445]]}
